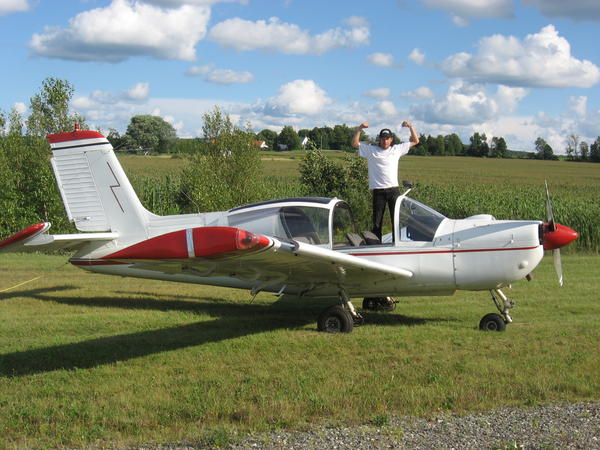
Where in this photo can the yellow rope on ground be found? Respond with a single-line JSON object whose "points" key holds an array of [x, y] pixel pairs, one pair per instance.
{"points": [[20, 284]]}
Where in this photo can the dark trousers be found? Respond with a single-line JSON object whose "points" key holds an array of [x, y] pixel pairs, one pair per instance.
{"points": [[382, 197]]}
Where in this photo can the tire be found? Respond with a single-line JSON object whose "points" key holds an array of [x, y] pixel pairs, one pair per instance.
{"points": [[492, 322], [335, 319]]}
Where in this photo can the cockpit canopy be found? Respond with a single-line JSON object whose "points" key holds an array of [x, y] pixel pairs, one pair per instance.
{"points": [[328, 221], [314, 220]]}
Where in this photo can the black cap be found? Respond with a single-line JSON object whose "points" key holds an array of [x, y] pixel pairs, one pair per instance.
{"points": [[386, 132]]}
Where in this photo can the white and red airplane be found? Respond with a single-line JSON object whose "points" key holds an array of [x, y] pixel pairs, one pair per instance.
{"points": [[307, 247]]}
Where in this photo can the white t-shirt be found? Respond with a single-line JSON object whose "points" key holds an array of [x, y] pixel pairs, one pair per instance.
{"points": [[383, 164]]}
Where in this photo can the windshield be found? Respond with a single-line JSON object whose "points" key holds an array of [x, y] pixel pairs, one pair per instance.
{"points": [[301, 223], [417, 222]]}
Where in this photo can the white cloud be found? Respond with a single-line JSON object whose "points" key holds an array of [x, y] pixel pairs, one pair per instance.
{"points": [[421, 93], [380, 93], [220, 76], [227, 76], [11, 6], [298, 97], [465, 104], [572, 9], [20, 107], [356, 22], [462, 11], [177, 3], [417, 57], [381, 59], [387, 108], [578, 105], [124, 29], [540, 60], [276, 36]]}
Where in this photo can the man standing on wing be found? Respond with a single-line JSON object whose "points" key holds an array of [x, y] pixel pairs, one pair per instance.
{"points": [[383, 169]]}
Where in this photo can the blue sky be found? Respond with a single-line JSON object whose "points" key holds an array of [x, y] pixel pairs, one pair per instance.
{"points": [[518, 69]]}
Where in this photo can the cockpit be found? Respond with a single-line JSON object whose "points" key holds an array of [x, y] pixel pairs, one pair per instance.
{"points": [[329, 222]]}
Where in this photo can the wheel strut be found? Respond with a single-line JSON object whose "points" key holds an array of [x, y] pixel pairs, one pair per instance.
{"points": [[503, 304]]}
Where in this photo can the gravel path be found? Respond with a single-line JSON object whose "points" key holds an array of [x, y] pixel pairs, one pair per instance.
{"points": [[572, 426]]}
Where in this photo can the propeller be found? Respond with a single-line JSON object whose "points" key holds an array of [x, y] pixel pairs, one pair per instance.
{"points": [[556, 236]]}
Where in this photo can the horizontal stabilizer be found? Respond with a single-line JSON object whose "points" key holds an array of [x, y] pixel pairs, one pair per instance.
{"points": [[35, 238]]}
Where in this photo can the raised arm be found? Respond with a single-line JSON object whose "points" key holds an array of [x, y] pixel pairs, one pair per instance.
{"points": [[414, 138], [356, 137]]}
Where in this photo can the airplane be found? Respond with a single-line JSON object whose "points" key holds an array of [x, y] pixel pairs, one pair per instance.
{"points": [[304, 246]]}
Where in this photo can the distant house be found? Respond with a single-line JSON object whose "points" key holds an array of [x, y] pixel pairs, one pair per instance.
{"points": [[261, 144], [304, 143], [282, 146]]}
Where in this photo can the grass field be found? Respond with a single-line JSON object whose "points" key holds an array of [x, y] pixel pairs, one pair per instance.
{"points": [[90, 360]]}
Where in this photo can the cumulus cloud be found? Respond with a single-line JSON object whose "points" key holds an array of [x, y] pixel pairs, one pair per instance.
{"points": [[124, 29], [276, 36], [220, 76], [462, 11], [20, 107], [572, 9], [381, 59], [11, 6], [380, 93], [421, 93], [540, 60], [298, 97], [465, 104], [177, 3], [417, 57], [387, 108], [138, 93], [578, 105]]}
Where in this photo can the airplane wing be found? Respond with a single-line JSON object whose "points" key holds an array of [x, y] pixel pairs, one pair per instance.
{"points": [[251, 258], [35, 238]]}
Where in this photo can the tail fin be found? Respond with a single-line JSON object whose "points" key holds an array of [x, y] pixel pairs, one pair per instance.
{"points": [[95, 190]]}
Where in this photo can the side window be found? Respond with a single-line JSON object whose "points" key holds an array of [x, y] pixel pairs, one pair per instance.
{"points": [[343, 223]]}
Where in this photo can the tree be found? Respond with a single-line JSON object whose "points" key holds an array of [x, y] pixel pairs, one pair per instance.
{"points": [[439, 146], [499, 148], [421, 148], [572, 147], [584, 151], [225, 173], [595, 150], [289, 138], [479, 146], [151, 133], [543, 149], [454, 145], [50, 109], [216, 123], [341, 138]]}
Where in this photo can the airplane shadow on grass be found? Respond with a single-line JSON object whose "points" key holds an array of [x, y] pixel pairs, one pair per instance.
{"points": [[232, 320]]}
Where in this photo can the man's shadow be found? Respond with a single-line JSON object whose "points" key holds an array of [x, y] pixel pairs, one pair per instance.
{"points": [[230, 320]]}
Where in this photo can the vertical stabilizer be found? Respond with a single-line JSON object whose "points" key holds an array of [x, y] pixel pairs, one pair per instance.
{"points": [[95, 190]]}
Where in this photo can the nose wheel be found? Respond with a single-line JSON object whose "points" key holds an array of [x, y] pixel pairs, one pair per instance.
{"points": [[497, 322]]}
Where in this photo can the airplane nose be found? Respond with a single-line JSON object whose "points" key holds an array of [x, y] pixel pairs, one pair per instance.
{"points": [[558, 238]]}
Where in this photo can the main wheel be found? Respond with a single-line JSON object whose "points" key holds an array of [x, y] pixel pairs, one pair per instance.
{"points": [[335, 319], [492, 322]]}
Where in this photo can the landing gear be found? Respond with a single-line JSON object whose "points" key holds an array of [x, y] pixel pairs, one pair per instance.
{"points": [[379, 303], [497, 322], [339, 318]]}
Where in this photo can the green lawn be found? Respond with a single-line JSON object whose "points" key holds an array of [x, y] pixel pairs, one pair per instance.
{"points": [[91, 360]]}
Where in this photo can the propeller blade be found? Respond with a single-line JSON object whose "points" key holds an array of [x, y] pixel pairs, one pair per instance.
{"points": [[549, 212], [558, 265]]}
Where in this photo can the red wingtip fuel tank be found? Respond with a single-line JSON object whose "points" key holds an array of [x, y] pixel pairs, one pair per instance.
{"points": [[559, 237]]}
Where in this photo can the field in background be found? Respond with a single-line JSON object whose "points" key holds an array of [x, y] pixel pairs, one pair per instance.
{"points": [[97, 361]]}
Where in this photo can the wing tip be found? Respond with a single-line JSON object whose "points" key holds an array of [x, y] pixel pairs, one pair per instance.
{"points": [[25, 234]]}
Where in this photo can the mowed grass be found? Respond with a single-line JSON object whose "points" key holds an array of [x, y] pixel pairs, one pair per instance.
{"points": [[91, 360]]}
